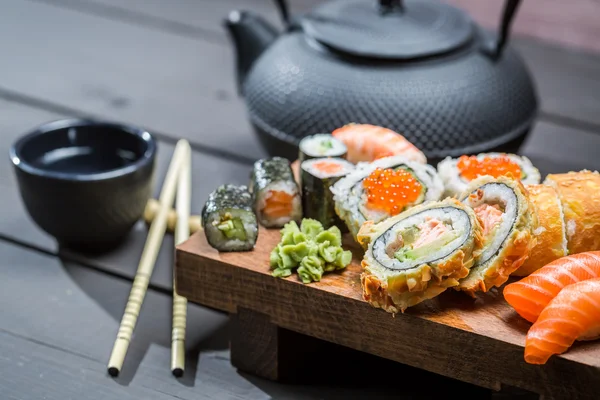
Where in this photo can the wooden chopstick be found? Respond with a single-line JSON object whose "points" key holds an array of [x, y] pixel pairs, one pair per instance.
{"points": [[182, 233], [148, 259]]}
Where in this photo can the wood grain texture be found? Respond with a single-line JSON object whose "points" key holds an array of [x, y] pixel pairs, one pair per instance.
{"points": [[57, 326], [552, 148], [255, 344], [193, 93], [164, 82], [572, 24], [482, 340]]}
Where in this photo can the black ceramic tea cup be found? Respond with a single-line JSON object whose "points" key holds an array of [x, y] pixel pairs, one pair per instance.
{"points": [[85, 182]]}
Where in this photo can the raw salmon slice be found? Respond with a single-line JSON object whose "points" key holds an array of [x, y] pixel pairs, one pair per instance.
{"points": [[531, 294], [278, 204], [574, 314], [367, 142]]}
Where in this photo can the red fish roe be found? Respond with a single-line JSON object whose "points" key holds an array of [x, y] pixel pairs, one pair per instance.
{"points": [[391, 191], [470, 167]]}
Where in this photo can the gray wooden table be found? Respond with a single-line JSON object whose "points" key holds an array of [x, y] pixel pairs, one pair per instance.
{"points": [[168, 66]]}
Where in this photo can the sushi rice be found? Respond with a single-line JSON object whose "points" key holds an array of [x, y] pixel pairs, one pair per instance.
{"points": [[321, 145], [350, 197], [455, 184], [418, 254]]}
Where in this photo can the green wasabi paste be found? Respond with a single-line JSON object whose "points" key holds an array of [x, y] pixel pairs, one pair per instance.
{"points": [[310, 250]]}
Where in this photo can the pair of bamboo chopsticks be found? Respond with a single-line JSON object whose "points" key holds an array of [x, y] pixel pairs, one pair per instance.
{"points": [[177, 181]]}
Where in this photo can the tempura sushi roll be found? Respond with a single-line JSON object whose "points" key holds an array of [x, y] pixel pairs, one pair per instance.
{"points": [[457, 173], [579, 193], [228, 219], [418, 254], [367, 143], [509, 221], [551, 235], [383, 188], [317, 177], [321, 145], [275, 191]]}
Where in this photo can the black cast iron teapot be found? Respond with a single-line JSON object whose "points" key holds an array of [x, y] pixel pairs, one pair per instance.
{"points": [[420, 67]]}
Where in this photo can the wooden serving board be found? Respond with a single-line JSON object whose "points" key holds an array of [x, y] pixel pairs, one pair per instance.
{"points": [[479, 341]]}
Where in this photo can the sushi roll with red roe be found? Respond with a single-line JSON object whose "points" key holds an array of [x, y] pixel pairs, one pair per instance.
{"points": [[317, 177], [457, 173], [383, 188]]}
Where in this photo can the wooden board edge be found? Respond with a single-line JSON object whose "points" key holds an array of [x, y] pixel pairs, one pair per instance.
{"points": [[355, 324]]}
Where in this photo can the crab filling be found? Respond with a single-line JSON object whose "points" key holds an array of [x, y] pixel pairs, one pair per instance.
{"points": [[495, 205], [422, 238]]}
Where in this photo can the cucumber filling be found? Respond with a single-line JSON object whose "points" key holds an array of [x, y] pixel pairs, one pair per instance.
{"points": [[414, 246], [231, 227]]}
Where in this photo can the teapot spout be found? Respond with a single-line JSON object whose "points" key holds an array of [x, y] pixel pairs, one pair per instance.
{"points": [[251, 35]]}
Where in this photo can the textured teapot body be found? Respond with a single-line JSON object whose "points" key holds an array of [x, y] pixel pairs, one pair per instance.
{"points": [[472, 98]]}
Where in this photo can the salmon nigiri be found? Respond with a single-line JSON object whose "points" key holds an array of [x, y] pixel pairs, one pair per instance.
{"points": [[369, 142], [531, 294], [574, 314]]}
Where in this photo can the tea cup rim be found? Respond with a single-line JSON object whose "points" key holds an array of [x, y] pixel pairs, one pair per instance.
{"points": [[15, 151]]}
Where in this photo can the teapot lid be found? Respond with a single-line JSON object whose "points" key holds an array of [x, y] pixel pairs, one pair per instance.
{"points": [[391, 29]]}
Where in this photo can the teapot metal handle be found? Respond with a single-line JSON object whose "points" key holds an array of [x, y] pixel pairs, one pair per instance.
{"points": [[284, 11], [510, 8]]}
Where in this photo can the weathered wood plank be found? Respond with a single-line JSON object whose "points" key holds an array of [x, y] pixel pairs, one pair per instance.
{"points": [[168, 83], [59, 321], [546, 147], [193, 93], [208, 172], [70, 316], [333, 309]]}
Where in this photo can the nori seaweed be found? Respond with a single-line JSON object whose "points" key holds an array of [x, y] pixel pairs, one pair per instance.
{"points": [[317, 200], [228, 197], [270, 170]]}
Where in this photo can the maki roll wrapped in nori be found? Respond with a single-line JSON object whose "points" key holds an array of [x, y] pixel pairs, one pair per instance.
{"points": [[418, 254], [275, 193], [457, 173], [509, 221], [317, 177], [386, 187], [321, 145], [229, 220]]}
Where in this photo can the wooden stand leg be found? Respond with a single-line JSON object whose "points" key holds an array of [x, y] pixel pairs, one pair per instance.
{"points": [[255, 344], [510, 393]]}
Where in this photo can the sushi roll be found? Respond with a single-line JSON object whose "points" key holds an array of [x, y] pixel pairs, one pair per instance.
{"points": [[456, 173], [276, 194], [551, 235], [509, 221], [383, 188], [578, 192], [418, 254], [321, 145], [317, 177], [369, 142], [228, 219]]}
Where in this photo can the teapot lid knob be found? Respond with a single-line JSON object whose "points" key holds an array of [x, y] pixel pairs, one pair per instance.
{"points": [[389, 29], [390, 5]]}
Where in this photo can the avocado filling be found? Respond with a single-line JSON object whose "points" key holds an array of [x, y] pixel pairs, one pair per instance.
{"points": [[231, 227]]}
